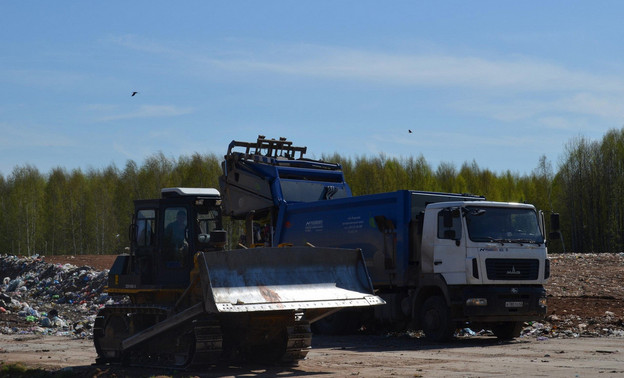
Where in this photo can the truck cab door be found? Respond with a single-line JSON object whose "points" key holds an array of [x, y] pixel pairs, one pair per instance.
{"points": [[449, 253]]}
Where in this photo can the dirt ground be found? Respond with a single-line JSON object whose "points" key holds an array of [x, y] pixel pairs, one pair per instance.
{"points": [[98, 262], [585, 305], [365, 356]]}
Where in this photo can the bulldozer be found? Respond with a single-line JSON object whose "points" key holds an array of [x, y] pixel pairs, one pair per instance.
{"points": [[188, 302]]}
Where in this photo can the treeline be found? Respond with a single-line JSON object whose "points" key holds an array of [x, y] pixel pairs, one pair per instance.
{"points": [[77, 212], [590, 193], [88, 212]]}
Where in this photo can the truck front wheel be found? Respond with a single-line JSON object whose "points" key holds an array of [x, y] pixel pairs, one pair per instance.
{"points": [[435, 319], [507, 330]]}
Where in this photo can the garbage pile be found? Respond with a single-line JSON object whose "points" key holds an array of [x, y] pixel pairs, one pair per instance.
{"points": [[573, 326], [585, 297], [52, 299]]}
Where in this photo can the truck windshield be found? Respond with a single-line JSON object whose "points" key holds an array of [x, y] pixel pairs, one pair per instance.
{"points": [[502, 224]]}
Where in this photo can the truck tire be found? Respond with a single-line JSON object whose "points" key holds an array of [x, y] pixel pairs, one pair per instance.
{"points": [[435, 319], [507, 330]]}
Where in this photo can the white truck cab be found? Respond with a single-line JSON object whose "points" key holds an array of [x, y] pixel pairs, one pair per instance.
{"points": [[491, 258]]}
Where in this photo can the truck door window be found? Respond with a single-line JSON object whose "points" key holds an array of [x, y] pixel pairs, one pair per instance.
{"points": [[146, 227], [449, 224], [175, 244]]}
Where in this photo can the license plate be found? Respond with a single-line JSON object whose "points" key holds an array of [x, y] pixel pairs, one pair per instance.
{"points": [[514, 304]]}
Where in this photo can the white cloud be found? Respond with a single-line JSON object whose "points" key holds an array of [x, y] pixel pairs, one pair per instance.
{"points": [[147, 111], [18, 136], [506, 88], [428, 140], [37, 78], [510, 73], [569, 105], [137, 43], [558, 123], [597, 104]]}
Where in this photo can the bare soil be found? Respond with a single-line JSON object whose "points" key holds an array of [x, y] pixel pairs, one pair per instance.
{"points": [[98, 262], [360, 355]]}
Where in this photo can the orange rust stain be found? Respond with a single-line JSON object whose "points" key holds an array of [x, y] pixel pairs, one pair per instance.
{"points": [[269, 295]]}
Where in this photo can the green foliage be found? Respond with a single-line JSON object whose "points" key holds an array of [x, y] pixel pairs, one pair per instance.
{"points": [[88, 213], [20, 371], [82, 213], [589, 191], [24, 208]]}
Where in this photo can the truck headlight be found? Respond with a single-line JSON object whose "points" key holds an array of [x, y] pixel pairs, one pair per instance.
{"points": [[542, 302], [476, 302]]}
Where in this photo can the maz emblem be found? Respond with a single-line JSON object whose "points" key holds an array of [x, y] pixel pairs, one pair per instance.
{"points": [[513, 271]]}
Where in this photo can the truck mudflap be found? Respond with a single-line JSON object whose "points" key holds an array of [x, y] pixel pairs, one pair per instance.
{"points": [[315, 281]]}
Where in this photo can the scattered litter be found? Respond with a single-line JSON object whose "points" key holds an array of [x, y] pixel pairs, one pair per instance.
{"points": [[51, 299]]}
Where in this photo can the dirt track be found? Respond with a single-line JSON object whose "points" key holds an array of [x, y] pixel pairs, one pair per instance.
{"points": [[366, 356]]}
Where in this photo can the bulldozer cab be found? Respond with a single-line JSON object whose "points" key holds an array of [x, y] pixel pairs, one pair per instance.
{"points": [[167, 232]]}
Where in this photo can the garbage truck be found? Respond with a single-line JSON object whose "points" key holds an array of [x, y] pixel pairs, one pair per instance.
{"points": [[441, 261], [184, 300]]}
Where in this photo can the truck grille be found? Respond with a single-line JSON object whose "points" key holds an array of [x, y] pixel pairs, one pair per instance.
{"points": [[512, 269]]}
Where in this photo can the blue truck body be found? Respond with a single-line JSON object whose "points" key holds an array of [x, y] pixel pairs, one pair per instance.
{"points": [[435, 258], [383, 226]]}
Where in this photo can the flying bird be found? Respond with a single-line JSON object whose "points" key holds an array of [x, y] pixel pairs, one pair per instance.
{"points": [[410, 131], [133, 93]]}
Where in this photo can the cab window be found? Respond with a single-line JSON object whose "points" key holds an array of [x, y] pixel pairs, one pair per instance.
{"points": [[146, 227], [449, 224], [175, 237]]}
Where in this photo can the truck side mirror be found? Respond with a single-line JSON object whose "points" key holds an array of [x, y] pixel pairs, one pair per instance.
{"points": [[447, 217]]}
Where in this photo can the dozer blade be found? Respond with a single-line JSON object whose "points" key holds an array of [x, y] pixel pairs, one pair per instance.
{"points": [[293, 278]]}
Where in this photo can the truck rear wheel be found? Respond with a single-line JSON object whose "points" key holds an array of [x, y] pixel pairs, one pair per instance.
{"points": [[435, 319]]}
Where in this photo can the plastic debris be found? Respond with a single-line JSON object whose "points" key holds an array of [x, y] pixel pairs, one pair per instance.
{"points": [[52, 299]]}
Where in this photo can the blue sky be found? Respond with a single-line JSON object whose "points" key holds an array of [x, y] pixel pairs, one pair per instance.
{"points": [[500, 83]]}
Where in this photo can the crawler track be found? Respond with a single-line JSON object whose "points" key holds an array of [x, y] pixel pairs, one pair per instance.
{"points": [[208, 339]]}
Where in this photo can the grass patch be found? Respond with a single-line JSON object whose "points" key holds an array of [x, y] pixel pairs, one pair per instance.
{"points": [[18, 370]]}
